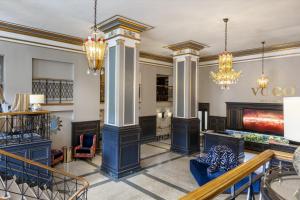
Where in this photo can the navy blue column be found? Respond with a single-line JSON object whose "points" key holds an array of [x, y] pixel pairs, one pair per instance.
{"points": [[121, 150], [185, 135], [121, 132], [185, 124]]}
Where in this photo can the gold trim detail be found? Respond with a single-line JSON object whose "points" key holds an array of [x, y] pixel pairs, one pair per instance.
{"points": [[39, 33], [57, 104], [122, 35], [190, 44], [119, 21], [156, 57], [248, 52]]}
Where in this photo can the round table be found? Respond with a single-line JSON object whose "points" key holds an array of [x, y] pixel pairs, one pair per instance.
{"points": [[281, 186]]}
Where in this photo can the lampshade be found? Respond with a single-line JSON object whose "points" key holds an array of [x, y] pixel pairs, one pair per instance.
{"points": [[36, 98], [291, 109]]}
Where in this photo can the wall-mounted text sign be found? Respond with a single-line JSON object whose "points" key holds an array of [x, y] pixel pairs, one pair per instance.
{"points": [[275, 91]]}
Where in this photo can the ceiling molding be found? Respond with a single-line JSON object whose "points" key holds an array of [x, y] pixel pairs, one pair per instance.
{"points": [[248, 52], [39, 44], [68, 39], [119, 21], [39, 33], [156, 57], [190, 44]]}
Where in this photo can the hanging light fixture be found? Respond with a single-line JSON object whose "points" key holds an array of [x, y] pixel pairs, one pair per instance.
{"points": [[95, 47], [225, 75], [263, 80]]}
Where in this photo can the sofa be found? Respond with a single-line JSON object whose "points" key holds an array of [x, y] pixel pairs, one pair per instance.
{"points": [[207, 168]]}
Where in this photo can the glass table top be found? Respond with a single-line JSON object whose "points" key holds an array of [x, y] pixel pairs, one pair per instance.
{"points": [[286, 186]]}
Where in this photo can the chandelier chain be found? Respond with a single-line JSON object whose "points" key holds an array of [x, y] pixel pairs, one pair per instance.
{"points": [[263, 58], [95, 16], [226, 32]]}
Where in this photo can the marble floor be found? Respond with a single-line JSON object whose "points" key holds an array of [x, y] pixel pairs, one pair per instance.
{"points": [[164, 175]]}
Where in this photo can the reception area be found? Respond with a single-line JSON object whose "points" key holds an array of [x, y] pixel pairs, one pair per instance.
{"points": [[149, 100]]}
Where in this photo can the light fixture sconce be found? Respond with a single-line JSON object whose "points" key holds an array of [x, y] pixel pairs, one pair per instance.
{"points": [[160, 115]]}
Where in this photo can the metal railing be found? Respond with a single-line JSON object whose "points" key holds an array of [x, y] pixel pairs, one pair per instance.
{"points": [[24, 127], [37, 181], [228, 180]]}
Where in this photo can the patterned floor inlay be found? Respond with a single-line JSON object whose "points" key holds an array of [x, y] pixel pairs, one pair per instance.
{"points": [[165, 175]]}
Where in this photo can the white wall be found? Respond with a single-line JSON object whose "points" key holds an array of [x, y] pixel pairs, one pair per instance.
{"points": [[283, 72], [19, 60], [52, 69], [148, 105]]}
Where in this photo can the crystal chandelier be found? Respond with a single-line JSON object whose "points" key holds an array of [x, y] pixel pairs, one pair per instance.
{"points": [[95, 48], [263, 80], [225, 75]]}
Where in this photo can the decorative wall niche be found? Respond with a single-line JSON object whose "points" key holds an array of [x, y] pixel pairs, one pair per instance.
{"points": [[53, 79]]}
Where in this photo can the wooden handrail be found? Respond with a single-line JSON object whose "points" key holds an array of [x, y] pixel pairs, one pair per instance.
{"points": [[222, 183], [284, 156], [40, 112], [53, 170]]}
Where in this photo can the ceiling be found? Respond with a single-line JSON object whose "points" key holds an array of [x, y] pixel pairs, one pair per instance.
{"points": [[250, 22]]}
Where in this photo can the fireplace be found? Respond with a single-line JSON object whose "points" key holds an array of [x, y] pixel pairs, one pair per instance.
{"points": [[263, 121], [255, 117]]}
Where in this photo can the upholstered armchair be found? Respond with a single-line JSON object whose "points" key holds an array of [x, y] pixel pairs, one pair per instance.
{"points": [[87, 147]]}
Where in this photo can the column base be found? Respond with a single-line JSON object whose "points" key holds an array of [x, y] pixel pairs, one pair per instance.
{"points": [[120, 150], [185, 135]]}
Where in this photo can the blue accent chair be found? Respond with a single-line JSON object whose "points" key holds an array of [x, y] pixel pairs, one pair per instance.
{"points": [[207, 168]]}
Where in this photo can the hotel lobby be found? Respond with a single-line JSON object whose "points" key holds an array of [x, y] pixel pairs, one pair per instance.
{"points": [[149, 100]]}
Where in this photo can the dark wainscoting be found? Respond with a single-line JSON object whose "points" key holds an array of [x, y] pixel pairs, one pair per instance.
{"points": [[84, 127], [121, 150], [185, 135], [148, 128], [217, 123]]}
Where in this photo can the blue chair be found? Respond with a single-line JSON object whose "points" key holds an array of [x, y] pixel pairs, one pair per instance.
{"points": [[218, 161], [87, 146]]}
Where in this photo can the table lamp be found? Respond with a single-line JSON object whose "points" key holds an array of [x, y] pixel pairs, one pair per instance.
{"points": [[36, 100], [291, 110]]}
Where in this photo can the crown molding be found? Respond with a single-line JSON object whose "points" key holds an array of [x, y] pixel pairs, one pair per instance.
{"points": [[249, 52], [39, 33], [156, 57], [190, 44], [119, 21]]}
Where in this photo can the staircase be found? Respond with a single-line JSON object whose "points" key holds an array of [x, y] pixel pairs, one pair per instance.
{"points": [[23, 179]]}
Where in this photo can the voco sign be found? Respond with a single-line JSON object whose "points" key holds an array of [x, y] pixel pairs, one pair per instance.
{"points": [[275, 91]]}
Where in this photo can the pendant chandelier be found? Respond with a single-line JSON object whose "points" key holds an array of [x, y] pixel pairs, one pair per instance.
{"points": [[225, 75], [95, 47], [263, 80]]}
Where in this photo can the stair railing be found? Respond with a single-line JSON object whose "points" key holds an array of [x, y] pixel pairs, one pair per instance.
{"points": [[228, 180], [36, 180]]}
